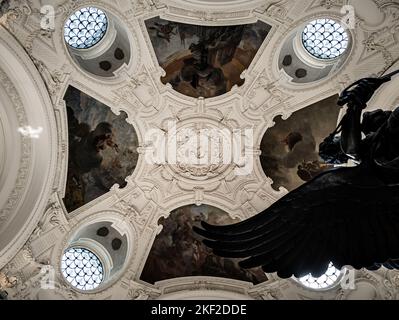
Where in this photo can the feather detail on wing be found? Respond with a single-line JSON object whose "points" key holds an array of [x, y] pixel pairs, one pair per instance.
{"points": [[343, 216]]}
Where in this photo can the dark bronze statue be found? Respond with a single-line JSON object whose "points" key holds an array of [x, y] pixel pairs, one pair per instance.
{"points": [[348, 215]]}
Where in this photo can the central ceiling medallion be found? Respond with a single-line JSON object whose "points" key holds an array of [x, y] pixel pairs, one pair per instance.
{"points": [[205, 61], [200, 149]]}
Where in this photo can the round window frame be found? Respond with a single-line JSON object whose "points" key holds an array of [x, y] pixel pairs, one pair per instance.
{"points": [[349, 39], [105, 35], [75, 247], [70, 239], [306, 57], [336, 283], [102, 255]]}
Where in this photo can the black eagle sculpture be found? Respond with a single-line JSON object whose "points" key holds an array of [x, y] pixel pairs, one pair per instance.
{"points": [[348, 216]]}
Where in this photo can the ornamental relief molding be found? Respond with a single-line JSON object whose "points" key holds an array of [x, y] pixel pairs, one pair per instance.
{"points": [[23, 21], [328, 4], [139, 93], [16, 14], [53, 218], [208, 17], [142, 293], [153, 192], [27, 270], [143, 6], [186, 12], [270, 294], [369, 281], [26, 150], [265, 95], [391, 285], [54, 81], [390, 10], [210, 284], [140, 216], [382, 39], [165, 182], [277, 10]]}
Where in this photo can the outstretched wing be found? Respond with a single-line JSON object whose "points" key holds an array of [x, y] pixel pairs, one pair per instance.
{"points": [[345, 216]]}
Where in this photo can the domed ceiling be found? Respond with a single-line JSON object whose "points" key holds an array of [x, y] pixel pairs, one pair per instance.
{"points": [[233, 75]]}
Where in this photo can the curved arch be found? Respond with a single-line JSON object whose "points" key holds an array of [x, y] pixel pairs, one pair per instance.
{"points": [[115, 18], [77, 236], [190, 288], [292, 33], [218, 4], [33, 172]]}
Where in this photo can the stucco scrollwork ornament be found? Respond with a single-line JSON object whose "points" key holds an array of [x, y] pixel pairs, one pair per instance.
{"points": [[139, 294], [20, 184], [139, 91], [391, 10], [68, 6], [11, 15], [266, 93], [201, 285], [6, 283], [276, 10], [205, 16], [193, 158], [383, 38], [50, 220], [32, 276], [328, 4], [391, 285], [52, 80], [40, 32], [271, 294], [128, 208], [141, 6], [372, 44]]}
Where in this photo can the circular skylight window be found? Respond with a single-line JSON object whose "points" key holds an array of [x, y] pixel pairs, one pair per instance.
{"points": [[82, 268], [326, 281], [85, 28], [325, 39]]}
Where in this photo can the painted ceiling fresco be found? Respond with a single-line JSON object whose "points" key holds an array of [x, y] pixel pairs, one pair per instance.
{"points": [[205, 61], [102, 149], [290, 148], [179, 252]]}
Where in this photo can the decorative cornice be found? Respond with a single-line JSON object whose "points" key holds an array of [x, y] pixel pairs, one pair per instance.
{"points": [[26, 150]]}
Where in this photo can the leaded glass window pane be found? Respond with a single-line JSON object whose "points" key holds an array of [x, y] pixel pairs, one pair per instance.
{"points": [[82, 268], [327, 280], [85, 28], [325, 39]]}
